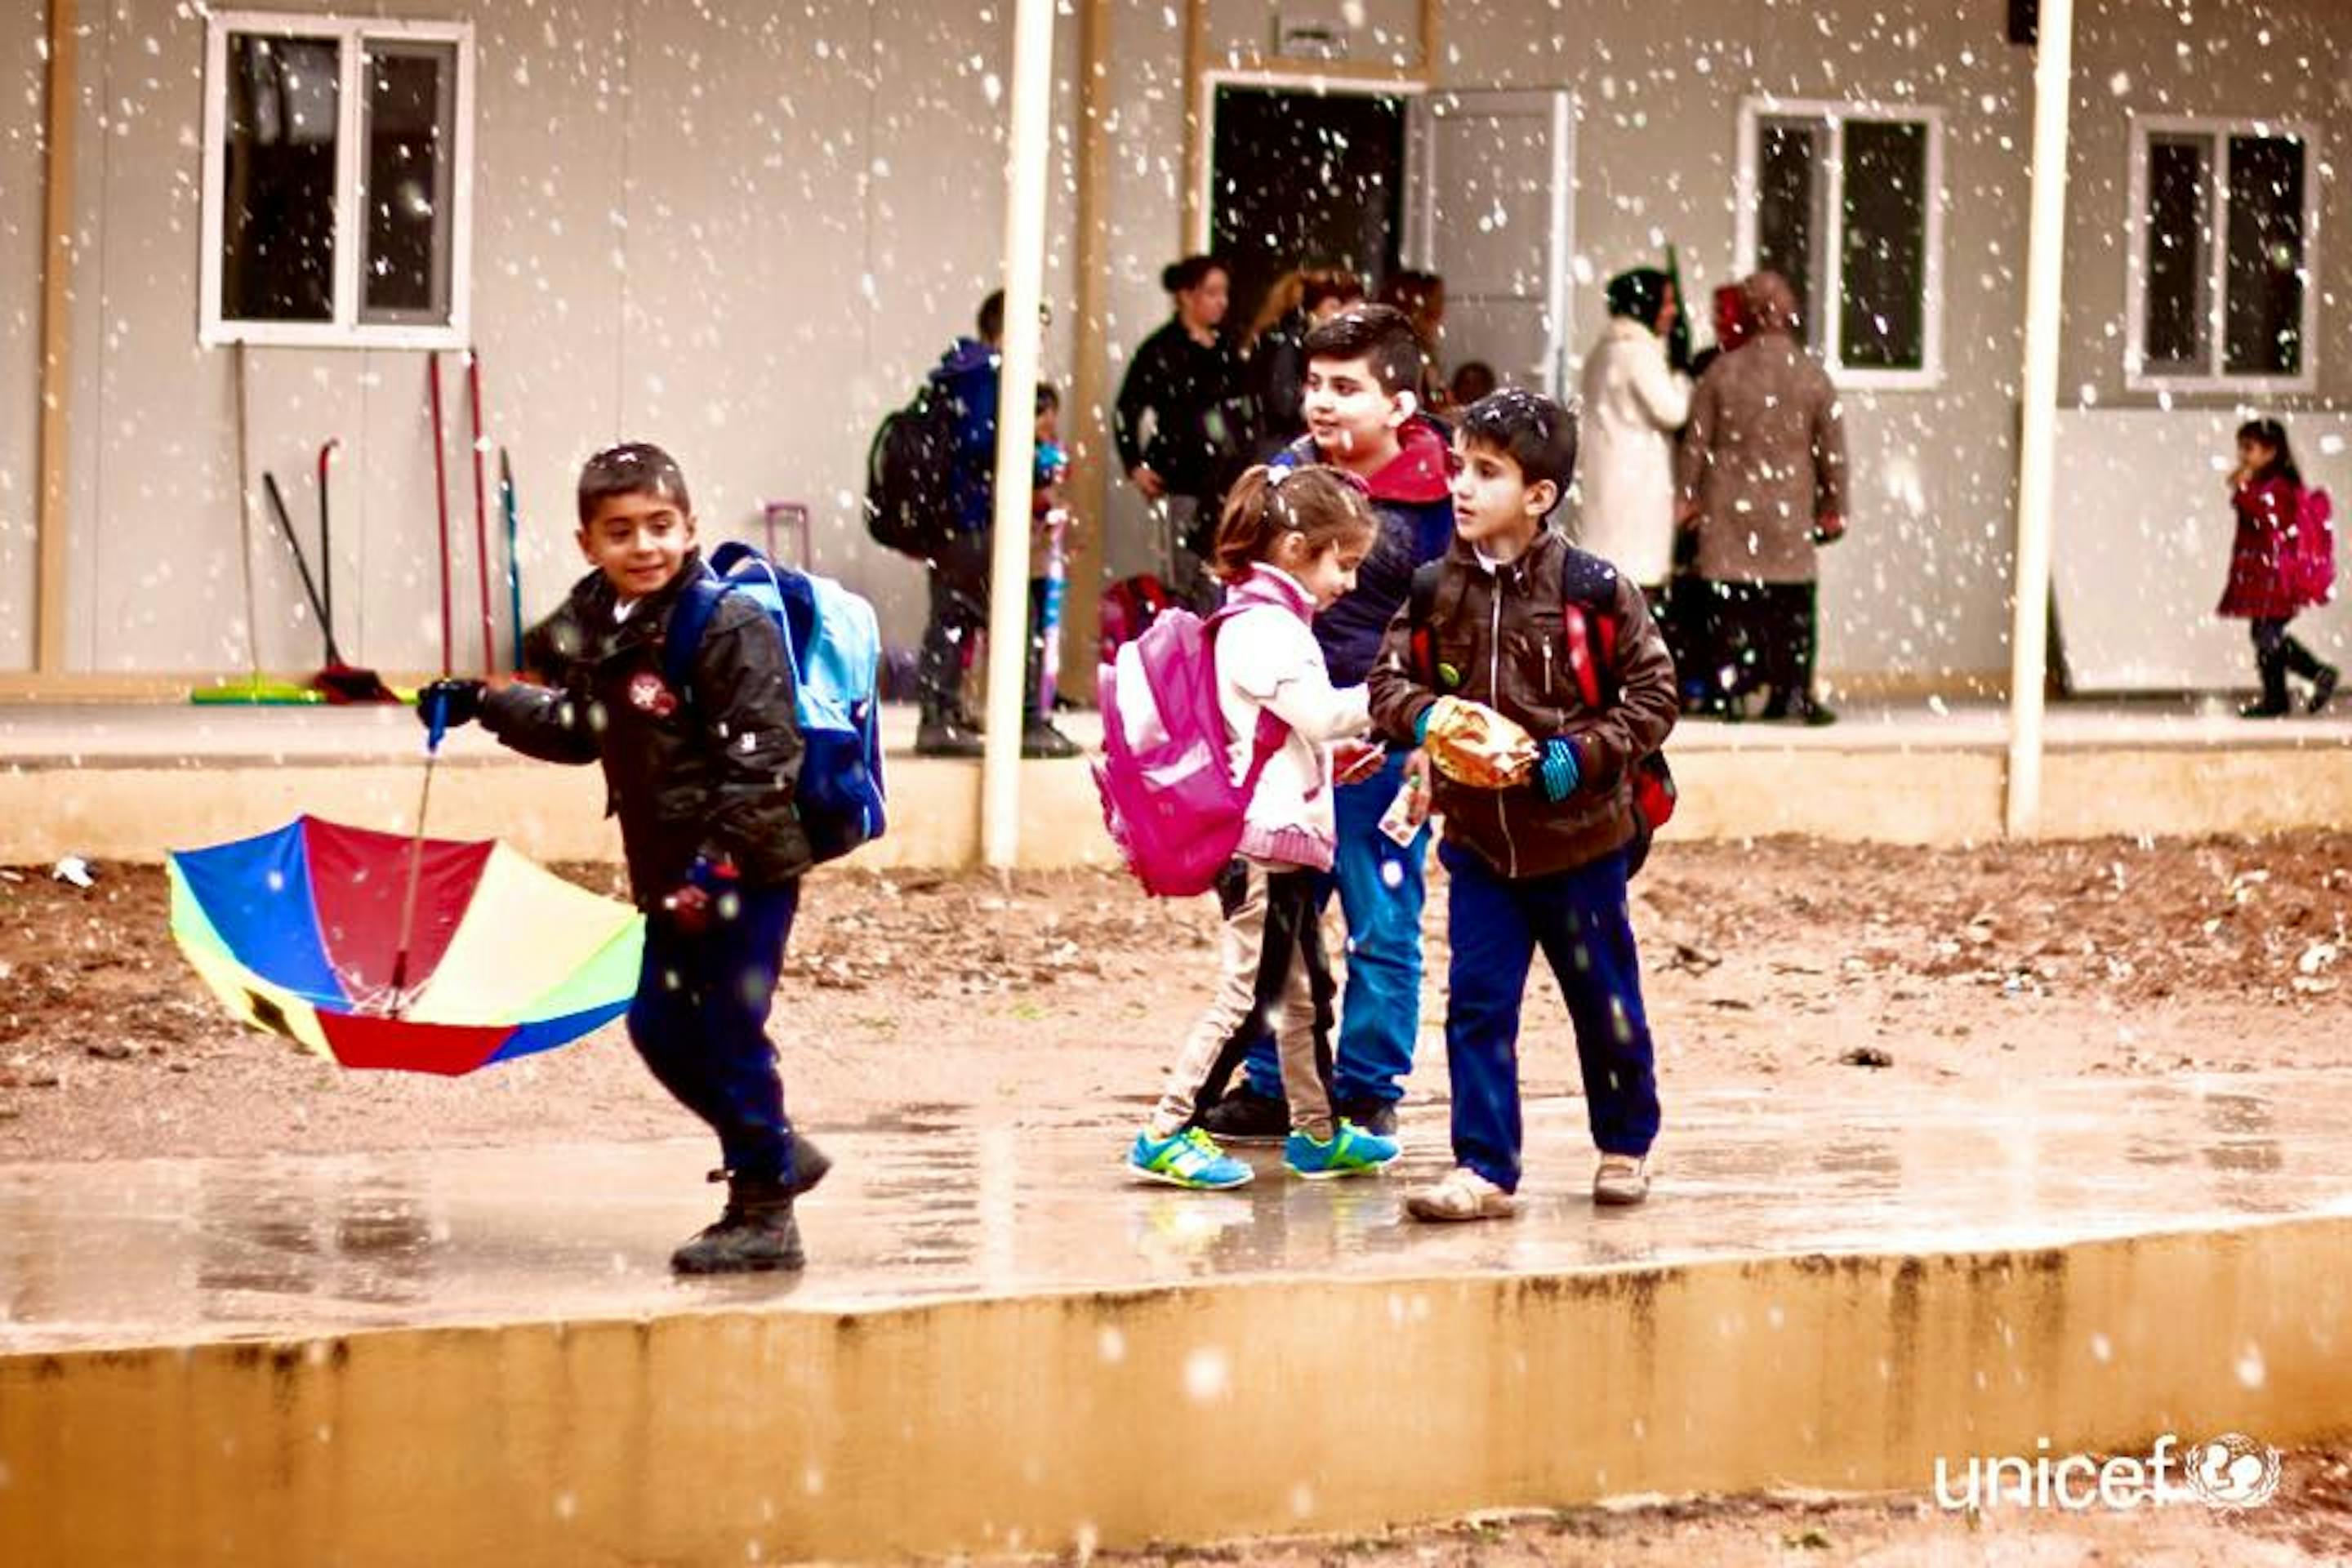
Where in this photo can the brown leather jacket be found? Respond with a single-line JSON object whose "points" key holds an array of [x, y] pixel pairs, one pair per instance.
{"points": [[1498, 638]]}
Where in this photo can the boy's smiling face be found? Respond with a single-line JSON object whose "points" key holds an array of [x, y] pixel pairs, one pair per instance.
{"points": [[1494, 507], [638, 541], [1350, 414]]}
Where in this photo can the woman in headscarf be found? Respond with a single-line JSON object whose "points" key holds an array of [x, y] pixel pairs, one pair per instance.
{"points": [[1633, 404], [1763, 479]]}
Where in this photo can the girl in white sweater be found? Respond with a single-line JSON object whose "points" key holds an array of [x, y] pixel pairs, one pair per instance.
{"points": [[1288, 546]]}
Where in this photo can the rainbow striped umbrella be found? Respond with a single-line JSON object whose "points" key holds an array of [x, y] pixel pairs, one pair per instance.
{"points": [[299, 931]]}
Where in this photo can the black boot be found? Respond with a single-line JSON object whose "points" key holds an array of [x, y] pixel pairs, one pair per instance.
{"points": [[756, 1233], [2323, 687], [2273, 703], [943, 732], [2300, 660], [1039, 738]]}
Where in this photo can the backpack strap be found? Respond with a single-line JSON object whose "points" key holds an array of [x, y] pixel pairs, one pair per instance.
{"points": [[690, 618], [1422, 599], [1588, 615]]}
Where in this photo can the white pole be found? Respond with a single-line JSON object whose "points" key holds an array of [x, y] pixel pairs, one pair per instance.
{"points": [[2029, 637], [1027, 159]]}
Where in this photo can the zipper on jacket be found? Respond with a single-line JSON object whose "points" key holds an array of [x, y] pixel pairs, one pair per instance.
{"points": [[1495, 692]]}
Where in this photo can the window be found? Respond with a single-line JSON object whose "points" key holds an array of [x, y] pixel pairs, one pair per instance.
{"points": [[2222, 226], [1845, 203], [337, 188]]}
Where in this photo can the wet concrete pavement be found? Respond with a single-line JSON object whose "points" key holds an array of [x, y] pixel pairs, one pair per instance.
{"points": [[161, 1252]]}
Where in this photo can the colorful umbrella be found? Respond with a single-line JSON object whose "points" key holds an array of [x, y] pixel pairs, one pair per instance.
{"points": [[300, 932]]}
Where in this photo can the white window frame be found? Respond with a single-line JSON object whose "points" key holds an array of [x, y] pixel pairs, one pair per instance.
{"points": [[1829, 298], [2221, 128], [346, 330]]}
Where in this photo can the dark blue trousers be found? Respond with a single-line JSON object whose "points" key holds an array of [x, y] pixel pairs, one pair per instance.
{"points": [[1578, 918], [700, 1016]]}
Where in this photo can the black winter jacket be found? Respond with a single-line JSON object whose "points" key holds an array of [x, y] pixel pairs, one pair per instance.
{"points": [[1199, 413], [713, 775]]}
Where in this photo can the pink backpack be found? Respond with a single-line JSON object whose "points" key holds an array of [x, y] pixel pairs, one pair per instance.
{"points": [[2313, 566], [1166, 775]]}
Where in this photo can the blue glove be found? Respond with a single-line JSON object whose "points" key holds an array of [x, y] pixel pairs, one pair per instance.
{"points": [[1421, 724], [1558, 770]]}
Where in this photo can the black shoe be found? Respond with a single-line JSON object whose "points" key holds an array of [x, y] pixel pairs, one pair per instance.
{"points": [[756, 1233], [2265, 708], [1246, 1117], [1040, 739], [2323, 687], [946, 738], [1377, 1117], [1811, 713]]}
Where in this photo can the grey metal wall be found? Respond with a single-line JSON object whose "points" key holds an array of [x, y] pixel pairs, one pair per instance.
{"points": [[21, 75], [742, 231]]}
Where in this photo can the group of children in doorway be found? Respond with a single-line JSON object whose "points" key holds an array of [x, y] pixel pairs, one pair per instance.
{"points": [[1383, 582]]}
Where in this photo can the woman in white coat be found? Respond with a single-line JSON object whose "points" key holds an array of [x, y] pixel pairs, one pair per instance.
{"points": [[1633, 404]]}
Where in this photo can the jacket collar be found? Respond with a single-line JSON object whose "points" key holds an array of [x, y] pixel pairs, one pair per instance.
{"points": [[1271, 585], [1626, 329], [1549, 542]]}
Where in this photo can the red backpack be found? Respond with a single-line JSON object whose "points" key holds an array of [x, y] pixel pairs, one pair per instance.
{"points": [[2311, 560], [1589, 626]]}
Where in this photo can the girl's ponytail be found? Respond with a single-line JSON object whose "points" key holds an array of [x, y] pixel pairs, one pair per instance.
{"points": [[1322, 505]]}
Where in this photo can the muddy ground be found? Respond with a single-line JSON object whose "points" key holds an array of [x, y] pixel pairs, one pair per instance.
{"points": [[1057, 999], [1059, 996]]}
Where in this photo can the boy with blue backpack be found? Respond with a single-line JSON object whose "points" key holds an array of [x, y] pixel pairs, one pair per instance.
{"points": [[687, 687]]}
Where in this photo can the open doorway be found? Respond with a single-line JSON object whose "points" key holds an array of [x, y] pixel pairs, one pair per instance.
{"points": [[1300, 175]]}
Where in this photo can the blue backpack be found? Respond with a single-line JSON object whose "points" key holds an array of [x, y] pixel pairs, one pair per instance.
{"points": [[835, 650]]}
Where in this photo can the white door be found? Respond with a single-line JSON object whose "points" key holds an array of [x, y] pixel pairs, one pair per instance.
{"points": [[1489, 195]]}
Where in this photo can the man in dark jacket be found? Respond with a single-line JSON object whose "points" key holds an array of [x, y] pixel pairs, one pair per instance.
{"points": [[703, 781], [1532, 642], [1362, 415], [967, 375]]}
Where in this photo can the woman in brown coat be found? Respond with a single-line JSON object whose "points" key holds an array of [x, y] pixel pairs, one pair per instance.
{"points": [[1763, 480]]}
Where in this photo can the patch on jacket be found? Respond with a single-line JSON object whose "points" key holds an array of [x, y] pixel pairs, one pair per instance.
{"points": [[1449, 678], [648, 694]]}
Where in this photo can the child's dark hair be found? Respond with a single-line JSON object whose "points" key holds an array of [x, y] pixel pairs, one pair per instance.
{"points": [[2272, 434], [1536, 432], [1049, 397], [991, 320], [632, 468], [1381, 333], [1183, 277], [1322, 505]]}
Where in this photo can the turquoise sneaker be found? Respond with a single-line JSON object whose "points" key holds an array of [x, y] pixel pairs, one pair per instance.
{"points": [[1191, 1159], [1352, 1151]]}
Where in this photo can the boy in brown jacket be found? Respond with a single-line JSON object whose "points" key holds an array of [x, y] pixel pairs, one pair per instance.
{"points": [[1487, 667]]}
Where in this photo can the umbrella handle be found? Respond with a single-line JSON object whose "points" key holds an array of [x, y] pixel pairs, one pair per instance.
{"points": [[415, 864]]}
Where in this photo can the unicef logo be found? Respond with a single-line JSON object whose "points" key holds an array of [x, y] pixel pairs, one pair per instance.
{"points": [[2233, 1471]]}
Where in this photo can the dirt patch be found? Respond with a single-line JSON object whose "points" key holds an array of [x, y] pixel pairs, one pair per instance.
{"points": [[1052, 996], [2309, 1523]]}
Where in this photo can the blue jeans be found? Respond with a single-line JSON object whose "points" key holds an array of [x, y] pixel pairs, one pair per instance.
{"points": [[1578, 918], [699, 1020], [1380, 892]]}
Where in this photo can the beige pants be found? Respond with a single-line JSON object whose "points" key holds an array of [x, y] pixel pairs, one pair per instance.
{"points": [[1274, 975]]}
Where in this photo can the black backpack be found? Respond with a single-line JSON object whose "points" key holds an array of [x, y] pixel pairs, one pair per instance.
{"points": [[910, 473]]}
